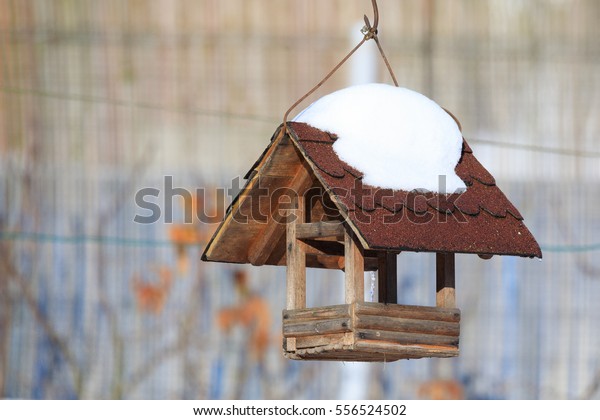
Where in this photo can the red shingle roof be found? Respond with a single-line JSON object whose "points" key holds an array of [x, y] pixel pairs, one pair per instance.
{"points": [[480, 220]]}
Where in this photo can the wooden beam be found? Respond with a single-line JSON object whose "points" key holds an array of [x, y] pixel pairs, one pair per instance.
{"points": [[388, 277], [354, 270], [320, 230], [445, 281], [324, 261], [324, 247], [316, 258], [265, 243], [321, 247], [296, 258]]}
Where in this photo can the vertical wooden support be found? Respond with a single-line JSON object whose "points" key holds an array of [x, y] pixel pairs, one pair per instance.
{"points": [[354, 270], [296, 258], [445, 284], [387, 276]]}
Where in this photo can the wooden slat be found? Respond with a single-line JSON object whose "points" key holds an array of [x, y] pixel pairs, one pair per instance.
{"points": [[419, 326], [408, 311], [354, 271], [388, 277], [314, 327], [283, 162], [279, 138], [263, 245], [320, 230], [296, 259], [445, 283], [323, 312], [405, 352], [265, 242], [345, 356], [407, 338], [320, 340]]}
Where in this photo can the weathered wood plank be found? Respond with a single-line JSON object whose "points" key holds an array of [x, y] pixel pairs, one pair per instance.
{"points": [[263, 245], [405, 352], [314, 327], [283, 162], [388, 278], [408, 311], [320, 340], [445, 282], [354, 270], [407, 338], [320, 230], [296, 258], [279, 139], [343, 356], [371, 322], [322, 312]]}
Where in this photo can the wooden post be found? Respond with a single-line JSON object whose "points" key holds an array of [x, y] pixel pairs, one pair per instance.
{"points": [[387, 277], [296, 257], [445, 284], [354, 270]]}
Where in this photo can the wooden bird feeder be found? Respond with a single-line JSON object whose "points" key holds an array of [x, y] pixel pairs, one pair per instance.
{"points": [[304, 207]]}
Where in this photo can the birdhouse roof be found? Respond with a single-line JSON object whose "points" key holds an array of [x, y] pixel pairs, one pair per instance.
{"points": [[480, 220]]}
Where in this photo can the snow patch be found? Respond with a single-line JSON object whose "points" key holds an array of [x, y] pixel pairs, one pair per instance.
{"points": [[396, 137]]}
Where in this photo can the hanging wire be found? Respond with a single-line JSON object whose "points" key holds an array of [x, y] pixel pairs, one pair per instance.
{"points": [[370, 32]]}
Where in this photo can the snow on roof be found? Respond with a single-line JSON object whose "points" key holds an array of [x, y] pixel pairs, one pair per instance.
{"points": [[396, 137]]}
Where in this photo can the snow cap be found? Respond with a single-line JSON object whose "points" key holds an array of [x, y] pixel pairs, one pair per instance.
{"points": [[398, 138]]}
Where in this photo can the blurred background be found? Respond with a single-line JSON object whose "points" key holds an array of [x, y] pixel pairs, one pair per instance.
{"points": [[100, 99]]}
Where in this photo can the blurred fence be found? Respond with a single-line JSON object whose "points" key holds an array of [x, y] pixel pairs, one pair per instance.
{"points": [[99, 100]]}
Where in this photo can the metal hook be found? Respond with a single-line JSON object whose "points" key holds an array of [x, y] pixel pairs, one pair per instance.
{"points": [[372, 30]]}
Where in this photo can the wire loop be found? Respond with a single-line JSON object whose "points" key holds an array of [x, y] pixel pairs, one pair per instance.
{"points": [[370, 32]]}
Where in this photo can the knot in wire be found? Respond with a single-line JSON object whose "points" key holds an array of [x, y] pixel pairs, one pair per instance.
{"points": [[370, 32]]}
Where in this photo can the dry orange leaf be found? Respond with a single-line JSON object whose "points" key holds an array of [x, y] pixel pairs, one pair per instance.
{"points": [[184, 234], [151, 297], [254, 315], [440, 389]]}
